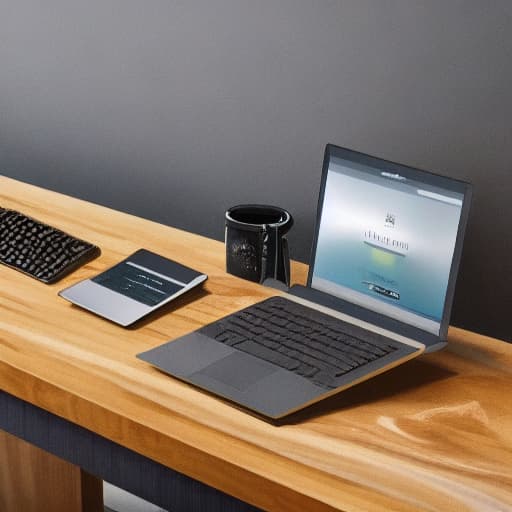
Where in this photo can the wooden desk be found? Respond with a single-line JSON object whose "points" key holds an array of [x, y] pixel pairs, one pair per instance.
{"points": [[435, 434]]}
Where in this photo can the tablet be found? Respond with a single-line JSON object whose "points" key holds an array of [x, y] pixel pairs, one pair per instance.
{"points": [[133, 288]]}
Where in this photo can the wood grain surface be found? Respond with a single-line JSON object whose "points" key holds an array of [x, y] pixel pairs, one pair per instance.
{"points": [[434, 434], [32, 480]]}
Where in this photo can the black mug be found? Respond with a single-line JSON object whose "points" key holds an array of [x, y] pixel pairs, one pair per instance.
{"points": [[256, 248]]}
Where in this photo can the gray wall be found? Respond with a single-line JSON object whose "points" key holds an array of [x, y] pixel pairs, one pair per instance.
{"points": [[177, 110]]}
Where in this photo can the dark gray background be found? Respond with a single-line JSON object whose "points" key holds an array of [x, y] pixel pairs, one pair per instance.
{"points": [[177, 110]]}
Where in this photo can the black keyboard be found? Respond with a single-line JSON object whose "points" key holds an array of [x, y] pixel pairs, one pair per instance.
{"points": [[300, 339], [40, 250]]}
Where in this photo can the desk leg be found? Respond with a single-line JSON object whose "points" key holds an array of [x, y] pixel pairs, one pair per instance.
{"points": [[32, 480]]}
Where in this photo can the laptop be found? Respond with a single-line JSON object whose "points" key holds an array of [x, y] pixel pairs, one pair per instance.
{"points": [[380, 287]]}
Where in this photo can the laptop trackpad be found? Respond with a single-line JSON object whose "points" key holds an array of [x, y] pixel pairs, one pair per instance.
{"points": [[238, 370]]}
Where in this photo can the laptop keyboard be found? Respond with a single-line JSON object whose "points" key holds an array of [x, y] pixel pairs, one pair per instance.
{"points": [[40, 250], [300, 339]]}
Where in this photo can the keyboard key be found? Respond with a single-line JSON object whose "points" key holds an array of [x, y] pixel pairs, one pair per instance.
{"points": [[39, 250], [268, 355], [300, 339]]}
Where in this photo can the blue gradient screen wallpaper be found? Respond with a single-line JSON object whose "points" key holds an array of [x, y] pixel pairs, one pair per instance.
{"points": [[386, 242]]}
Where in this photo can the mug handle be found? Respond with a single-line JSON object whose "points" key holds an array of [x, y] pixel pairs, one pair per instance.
{"points": [[276, 257], [285, 262]]}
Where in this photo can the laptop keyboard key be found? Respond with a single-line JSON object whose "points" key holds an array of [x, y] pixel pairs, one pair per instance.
{"points": [[269, 355], [299, 339], [324, 379]]}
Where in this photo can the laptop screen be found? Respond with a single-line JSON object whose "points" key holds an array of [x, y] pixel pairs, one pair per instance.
{"points": [[385, 238]]}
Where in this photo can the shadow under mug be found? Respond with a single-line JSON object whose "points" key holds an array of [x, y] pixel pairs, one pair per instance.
{"points": [[256, 248]]}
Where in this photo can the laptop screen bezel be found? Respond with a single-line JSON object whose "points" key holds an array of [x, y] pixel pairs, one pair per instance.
{"points": [[426, 177]]}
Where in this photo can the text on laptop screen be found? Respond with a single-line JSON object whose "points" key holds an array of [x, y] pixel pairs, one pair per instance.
{"points": [[386, 242]]}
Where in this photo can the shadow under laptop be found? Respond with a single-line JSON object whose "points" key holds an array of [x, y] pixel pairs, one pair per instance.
{"points": [[404, 378], [412, 375]]}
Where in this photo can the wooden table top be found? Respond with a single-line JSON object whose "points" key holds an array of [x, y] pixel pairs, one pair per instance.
{"points": [[434, 434]]}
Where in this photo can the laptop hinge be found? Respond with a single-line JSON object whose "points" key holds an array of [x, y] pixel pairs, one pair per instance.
{"points": [[431, 341]]}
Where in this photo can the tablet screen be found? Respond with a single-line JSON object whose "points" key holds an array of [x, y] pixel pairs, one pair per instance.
{"points": [[138, 283]]}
